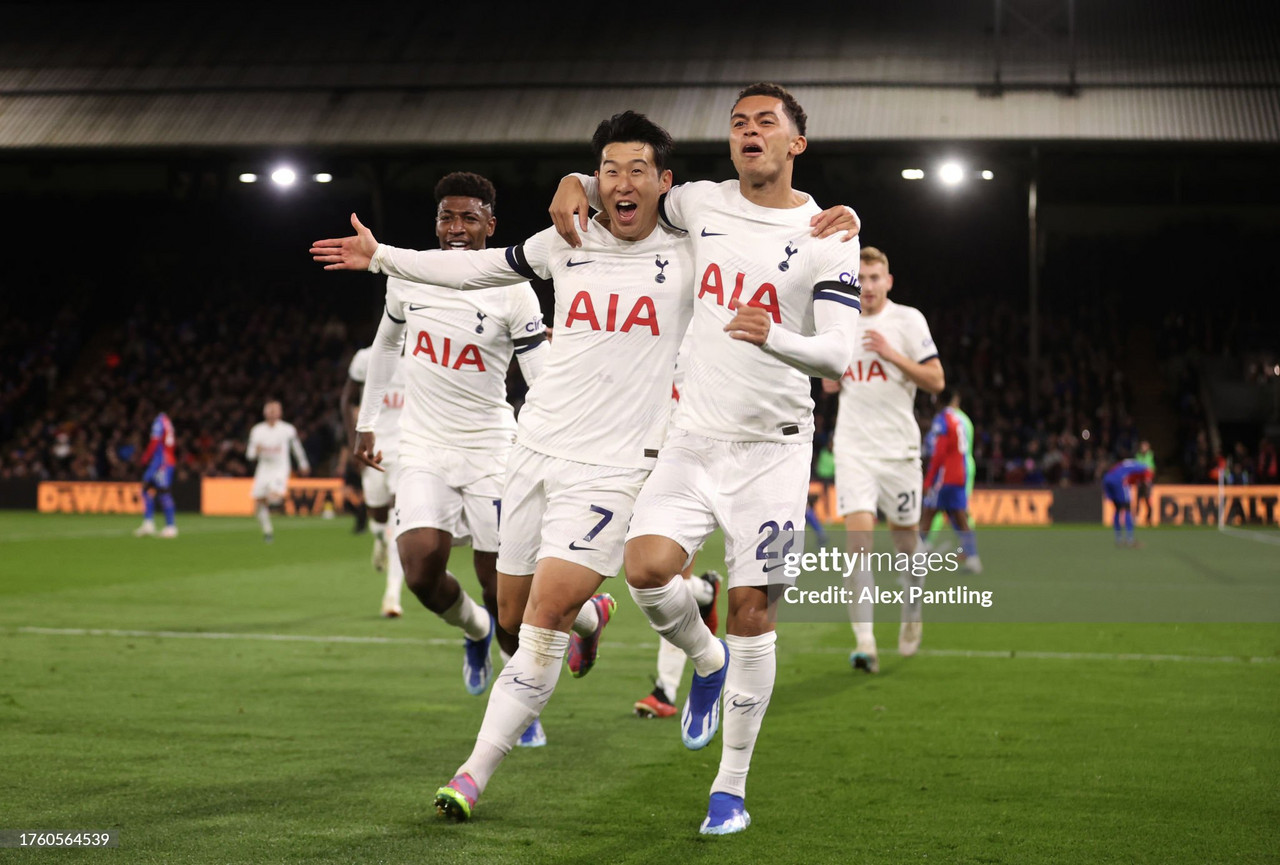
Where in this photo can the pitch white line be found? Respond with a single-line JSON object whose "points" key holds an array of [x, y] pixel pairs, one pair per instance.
{"points": [[1253, 535], [1009, 654]]}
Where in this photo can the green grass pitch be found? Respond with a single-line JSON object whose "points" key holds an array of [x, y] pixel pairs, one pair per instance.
{"points": [[304, 728]]}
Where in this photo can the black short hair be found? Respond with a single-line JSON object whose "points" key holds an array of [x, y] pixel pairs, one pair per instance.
{"points": [[633, 126], [777, 91], [467, 185], [948, 393]]}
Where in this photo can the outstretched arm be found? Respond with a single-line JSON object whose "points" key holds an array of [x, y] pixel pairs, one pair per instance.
{"points": [[468, 269]]}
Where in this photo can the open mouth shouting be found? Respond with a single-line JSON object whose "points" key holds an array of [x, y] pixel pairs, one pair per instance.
{"points": [[626, 211]]}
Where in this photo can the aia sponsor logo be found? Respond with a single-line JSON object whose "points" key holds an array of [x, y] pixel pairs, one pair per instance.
{"points": [[765, 297], [444, 352], [582, 311], [861, 371]]}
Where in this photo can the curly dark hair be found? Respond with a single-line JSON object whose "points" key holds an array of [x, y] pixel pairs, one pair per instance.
{"points": [[633, 126], [467, 185], [777, 91]]}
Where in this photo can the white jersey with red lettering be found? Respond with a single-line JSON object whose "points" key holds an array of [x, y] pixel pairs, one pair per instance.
{"points": [[458, 348], [621, 310], [765, 257], [387, 430], [876, 415]]}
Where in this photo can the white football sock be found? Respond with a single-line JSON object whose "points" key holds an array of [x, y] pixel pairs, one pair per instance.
{"points": [[673, 613], [519, 693], [466, 614], [264, 519], [587, 621], [670, 669], [377, 529], [701, 589], [748, 685], [395, 570], [862, 616]]}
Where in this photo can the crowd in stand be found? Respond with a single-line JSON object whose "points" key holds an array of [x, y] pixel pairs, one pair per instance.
{"points": [[210, 369], [213, 366]]}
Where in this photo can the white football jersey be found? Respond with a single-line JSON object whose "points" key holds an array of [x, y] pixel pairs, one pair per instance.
{"points": [[764, 256], [387, 430], [603, 396], [270, 444], [876, 415], [458, 348]]}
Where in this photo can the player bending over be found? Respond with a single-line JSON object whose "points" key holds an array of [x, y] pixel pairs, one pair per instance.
{"points": [[1115, 485]]}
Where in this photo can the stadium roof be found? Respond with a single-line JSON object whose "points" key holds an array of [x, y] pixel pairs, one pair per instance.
{"points": [[149, 75]]}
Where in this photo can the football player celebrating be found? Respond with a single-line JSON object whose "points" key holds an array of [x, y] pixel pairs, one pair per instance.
{"points": [[774, 305]]}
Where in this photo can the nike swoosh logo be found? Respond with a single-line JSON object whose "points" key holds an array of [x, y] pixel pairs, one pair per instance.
{"points": [[413, 308], [574, 546], [572, 263], [775, 567], [706, 233]]}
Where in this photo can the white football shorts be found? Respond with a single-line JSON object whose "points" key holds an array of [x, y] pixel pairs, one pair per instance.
{"points": [[892, 486], [460, 492], [755, 491], [270, 484], [558, 508]]}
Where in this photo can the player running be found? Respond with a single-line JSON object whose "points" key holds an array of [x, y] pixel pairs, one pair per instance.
{"points": [[1115, 485], [877, 442], [591, 426], [270, 442], [157, 479], [378, 487], [950, 475], [457, 426], [774, 305]]}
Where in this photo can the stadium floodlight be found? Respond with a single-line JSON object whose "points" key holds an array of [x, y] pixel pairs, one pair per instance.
{"points": [[322, 177], [912, 174], [248, 177], [284, 176], [988, 174], [951, 173]]}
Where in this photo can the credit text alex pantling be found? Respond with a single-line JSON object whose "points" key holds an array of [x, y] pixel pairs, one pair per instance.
{"points": [[839, 595]]}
